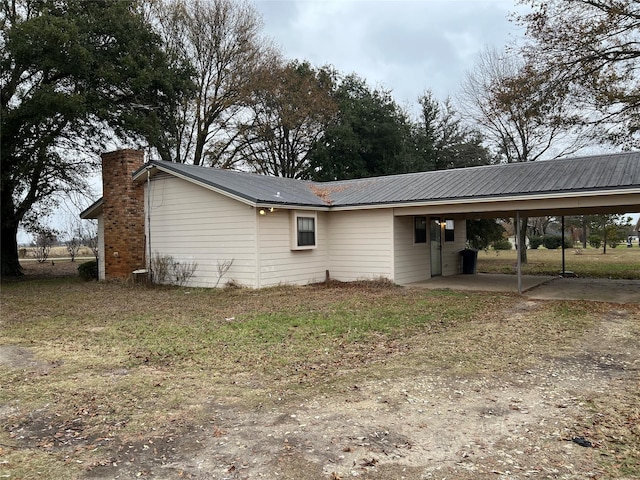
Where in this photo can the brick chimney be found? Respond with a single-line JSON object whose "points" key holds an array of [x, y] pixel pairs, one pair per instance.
{"points": [[123, 214]]}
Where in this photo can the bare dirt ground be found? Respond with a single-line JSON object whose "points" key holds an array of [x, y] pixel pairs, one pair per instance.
{"points": [[420, 425], [423, 426]]}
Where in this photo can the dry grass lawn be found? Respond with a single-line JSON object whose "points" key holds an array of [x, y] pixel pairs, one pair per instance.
{"points": [[106, 380], [619, 262]]}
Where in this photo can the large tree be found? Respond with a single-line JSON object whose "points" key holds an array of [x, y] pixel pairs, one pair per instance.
{"points": [[222, 41], [521, 111], [369, 135], [291, 107], [443, 141], [372, 135], [69, 70], [591, 47]]}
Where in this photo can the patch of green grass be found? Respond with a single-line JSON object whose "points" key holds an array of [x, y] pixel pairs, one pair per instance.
{"points": [[36, 464]]}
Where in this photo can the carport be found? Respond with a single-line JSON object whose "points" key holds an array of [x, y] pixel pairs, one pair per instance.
{"points": [[599, 184]]}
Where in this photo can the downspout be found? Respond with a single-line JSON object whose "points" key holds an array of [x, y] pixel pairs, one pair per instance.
{"points": [[150, 276], [258, 266], [564, 271]]}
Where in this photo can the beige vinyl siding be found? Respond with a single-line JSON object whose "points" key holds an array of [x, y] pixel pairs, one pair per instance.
{"points": [[361, 244], [451, 250], [411, 259], [193, 224], [279, 264]]}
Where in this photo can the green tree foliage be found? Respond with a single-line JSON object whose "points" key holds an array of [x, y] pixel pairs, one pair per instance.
{"points": [[70, 70], [592, 48], [372, 135], [368, 137], [610, 229], [483, 232], [442, 141], [578, 226]]}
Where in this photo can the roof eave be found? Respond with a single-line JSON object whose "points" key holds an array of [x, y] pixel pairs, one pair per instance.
{"points": [[153, 168], [484, 199], [92, 211]]}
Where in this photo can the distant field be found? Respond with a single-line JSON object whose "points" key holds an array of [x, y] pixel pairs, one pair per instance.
{"points": [[29, 253], [620, 262]]}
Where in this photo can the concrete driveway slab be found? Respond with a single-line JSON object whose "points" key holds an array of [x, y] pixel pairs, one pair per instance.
{"points": [[542, 287], [483, 282], [593, 289]]}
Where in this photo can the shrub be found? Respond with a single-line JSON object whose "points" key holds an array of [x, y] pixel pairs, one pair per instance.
{"points": [[535, 242], [503, 244], [553, 242], [595, 241], [165, 269], [88, 270]]}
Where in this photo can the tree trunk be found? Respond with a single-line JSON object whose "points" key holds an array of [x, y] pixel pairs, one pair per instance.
{"points": [[523, 240], [10, 265]]}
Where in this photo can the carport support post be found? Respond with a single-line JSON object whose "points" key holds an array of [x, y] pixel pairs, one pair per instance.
{"points": [[563, 269], [519, 246]]}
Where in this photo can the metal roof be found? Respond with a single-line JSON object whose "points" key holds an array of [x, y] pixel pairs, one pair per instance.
{"points": [[251, 187], [580, 174]]}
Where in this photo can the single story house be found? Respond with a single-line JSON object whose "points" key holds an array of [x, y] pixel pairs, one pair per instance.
{"points": [[270, 230]]}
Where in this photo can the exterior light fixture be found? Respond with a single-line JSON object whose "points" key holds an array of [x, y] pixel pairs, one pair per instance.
{"points": [[265, 211]]}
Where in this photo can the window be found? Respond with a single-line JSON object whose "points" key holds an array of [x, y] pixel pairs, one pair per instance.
{"points": [[306, 231], [303, 231], [420, 230], [449, 228]]}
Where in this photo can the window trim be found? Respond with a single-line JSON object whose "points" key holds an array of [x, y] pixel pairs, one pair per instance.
{"points": [[449, 233], [295, 215]]}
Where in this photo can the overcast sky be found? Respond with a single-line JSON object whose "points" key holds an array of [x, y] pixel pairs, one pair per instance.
{"points": [[407, 46]]}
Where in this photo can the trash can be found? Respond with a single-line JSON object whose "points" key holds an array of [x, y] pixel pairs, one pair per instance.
{"points": [[469, 260]]}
